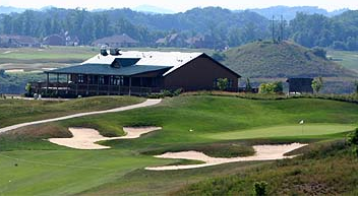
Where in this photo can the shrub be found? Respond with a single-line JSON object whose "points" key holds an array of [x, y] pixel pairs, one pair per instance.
{"points": [[28, 90], [271, 88], [356, 87], [260, 188], [320, 52], [222, 83], [353, 141], [317, 84]]}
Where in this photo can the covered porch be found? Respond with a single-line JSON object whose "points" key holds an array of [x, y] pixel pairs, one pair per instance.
{"points": [[96, 79], [74, 85]]}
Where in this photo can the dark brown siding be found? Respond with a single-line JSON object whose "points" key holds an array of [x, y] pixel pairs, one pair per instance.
{"points": [[199, 74]]}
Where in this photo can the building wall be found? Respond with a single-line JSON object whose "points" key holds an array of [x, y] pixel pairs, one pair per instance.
{"points": [[199, 74]]}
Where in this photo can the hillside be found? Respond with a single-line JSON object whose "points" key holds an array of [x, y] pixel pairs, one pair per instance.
{"points": [[289, 13], [265, 59]]}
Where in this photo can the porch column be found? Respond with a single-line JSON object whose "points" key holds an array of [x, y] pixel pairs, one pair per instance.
{"points": [[68, 83], [119, 85], [87, 82], [109, 85], [58, 81], [97, 85], [130, 86], [47, 83]]}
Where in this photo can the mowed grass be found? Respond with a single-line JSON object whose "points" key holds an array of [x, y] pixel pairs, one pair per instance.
{"points": [[286, 131], [187, 121], [15, 111], [63, 172], [57, 54], [345, 58]]}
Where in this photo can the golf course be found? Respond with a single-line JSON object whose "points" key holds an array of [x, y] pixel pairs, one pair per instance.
{"points": [[217, 126]]}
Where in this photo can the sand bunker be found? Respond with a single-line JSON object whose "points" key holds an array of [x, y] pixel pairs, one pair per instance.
{"points": [[263, 153], [85, 138]]}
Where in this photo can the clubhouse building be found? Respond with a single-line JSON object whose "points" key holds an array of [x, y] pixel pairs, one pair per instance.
{"points": [[116, 72]]}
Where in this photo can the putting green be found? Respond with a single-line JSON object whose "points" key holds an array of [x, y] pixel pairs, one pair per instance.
{"points": [[285, 131]]}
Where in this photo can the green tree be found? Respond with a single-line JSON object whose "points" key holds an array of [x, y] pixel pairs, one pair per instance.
{"points": [[222, 83], [248, 87], [356, 87], [317, 84]]}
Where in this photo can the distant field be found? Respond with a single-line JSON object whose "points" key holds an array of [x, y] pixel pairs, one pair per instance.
{"points": [[345, 58], [48, 54]]}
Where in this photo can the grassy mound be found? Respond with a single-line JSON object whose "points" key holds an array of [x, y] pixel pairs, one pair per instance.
{"points": [[265, 59]]}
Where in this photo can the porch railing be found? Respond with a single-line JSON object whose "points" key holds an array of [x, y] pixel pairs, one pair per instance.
{"points": [[74, 90]]}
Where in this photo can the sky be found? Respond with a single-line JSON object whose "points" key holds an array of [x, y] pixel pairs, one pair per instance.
{"points": [[180, 5]]}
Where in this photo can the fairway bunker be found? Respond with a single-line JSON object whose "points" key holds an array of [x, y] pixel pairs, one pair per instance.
{"points": [[85, 138], [263, 153]]}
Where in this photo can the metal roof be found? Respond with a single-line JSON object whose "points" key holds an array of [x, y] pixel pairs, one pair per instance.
{"points": [[105, 69], [168, 59]]}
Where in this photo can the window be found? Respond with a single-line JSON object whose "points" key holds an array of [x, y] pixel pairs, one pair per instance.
{"points": [[230, 83], [215, 83], [81, 79], [101, 80]]}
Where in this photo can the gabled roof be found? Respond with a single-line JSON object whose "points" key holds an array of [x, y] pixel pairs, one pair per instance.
{"points": [[104, 69], [124, 38], [167, 59], [134, 62]]}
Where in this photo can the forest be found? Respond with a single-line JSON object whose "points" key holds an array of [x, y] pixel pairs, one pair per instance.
{"points": [[221, 27]]}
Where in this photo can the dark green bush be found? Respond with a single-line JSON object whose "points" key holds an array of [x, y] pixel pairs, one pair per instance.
{"points": [[260, 188]]}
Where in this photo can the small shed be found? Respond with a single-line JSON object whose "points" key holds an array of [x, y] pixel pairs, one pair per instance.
{"points": [[300, 85]]}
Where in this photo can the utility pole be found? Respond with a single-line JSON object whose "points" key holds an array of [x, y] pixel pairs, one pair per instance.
{"points": [[273, 28], [282, 29]]}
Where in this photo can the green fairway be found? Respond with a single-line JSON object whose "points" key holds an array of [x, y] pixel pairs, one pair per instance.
{"points": [[189, 122], [285, 131], [63, 172]]}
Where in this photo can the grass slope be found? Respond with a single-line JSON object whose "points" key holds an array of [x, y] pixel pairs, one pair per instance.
{"points": [[284, 59], [345, 58], [15, 111], [121, 168], [325, 169]]}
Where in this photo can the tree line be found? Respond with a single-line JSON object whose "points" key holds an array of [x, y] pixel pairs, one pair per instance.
{"points": [[221, 27]]}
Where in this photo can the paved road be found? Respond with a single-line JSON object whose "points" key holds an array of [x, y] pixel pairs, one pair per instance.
{"points": [[147, 103]]}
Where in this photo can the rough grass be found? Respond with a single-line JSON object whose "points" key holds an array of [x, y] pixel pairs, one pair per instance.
{"points": [[284, 59], [324, 170], [15, 111]]}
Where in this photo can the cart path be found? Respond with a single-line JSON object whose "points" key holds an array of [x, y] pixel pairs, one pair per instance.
{"points": [[147, 103]]}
